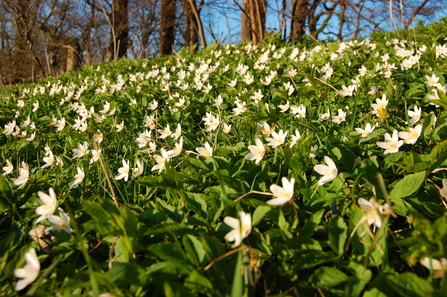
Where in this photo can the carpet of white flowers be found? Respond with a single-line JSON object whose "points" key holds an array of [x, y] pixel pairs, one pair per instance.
{"points": [[269, 170]]}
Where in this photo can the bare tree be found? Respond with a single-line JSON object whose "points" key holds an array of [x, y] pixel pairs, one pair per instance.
{"points": [[253, 20], [300, 12], [145, 27], [120, 27], [168, 22]]}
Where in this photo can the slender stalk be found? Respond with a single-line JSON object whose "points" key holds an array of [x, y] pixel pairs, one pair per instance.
{"points": [[112, 192]]}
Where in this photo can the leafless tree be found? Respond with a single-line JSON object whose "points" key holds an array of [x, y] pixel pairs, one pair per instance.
{"points": [[168, 21]]}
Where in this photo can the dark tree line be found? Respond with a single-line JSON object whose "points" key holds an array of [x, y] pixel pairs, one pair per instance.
{"points": [[40, 38]]}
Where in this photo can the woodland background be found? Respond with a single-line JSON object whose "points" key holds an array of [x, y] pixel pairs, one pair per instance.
{"points": [[40, 38]]}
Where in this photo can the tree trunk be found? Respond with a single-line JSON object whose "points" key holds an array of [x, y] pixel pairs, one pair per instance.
{"points": [[245, 21], [299, 15], [191, 36], [259, 20], [253, 20], [120, 27], [167, 26]]}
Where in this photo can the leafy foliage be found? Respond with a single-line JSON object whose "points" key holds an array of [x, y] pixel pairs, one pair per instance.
{"points": [[156, 162]]}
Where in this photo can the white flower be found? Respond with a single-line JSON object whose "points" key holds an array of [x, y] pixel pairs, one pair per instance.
{"points": [[391, 144], [95, 155], [373, 90], [143, 138], [8, 168], [152, 147], [212, 123], [49, 205], [26, 123], [164, 132], [435, 96], [439, 266], [432, 81], [178, 132], [379, 107], [28, 273], [298, 111], [80, 124], [248, 79], [160, 160], [36, 106], [153, 105], [328, 171], [78, 177], [368, 130], [347, 91], [257, 96], [325, 116], [226, 128], [206, 151], [218, 101], [137, 171], [176, 150], [276, 139], [120, 126], [98, 137], [241, 228], [9, 127], [264, 128], [123, 171], [294, 138], [415, 115], [61, 222], [49, 160], [240, 107], [23, 175], [60, 124], [443, 191], [313, 148], [412, 135], [284, 107], [256, 151], [106, 107], [341, 117], [372, 210], [81, 150], [31, 138], [59, 161], [282, 194]]}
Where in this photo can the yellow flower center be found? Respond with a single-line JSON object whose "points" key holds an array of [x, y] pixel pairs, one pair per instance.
{"points": [[381, 111]]}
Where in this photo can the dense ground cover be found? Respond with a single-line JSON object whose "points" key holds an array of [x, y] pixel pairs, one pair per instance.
{"points": [[276, 169]]}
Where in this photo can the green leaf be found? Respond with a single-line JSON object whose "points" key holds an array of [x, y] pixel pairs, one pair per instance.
{"points": [[311, 224], [407, 186], [326, 277], [194, 249], [355, 286], [121, 273], [438, 155], [410, 285], [312, 259], [172, 212], [196, 202], [168, 251], [259, 213], [172, 289], [337, 234], [374, 292], [198, 283], [302, 244], [237, 287]]}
